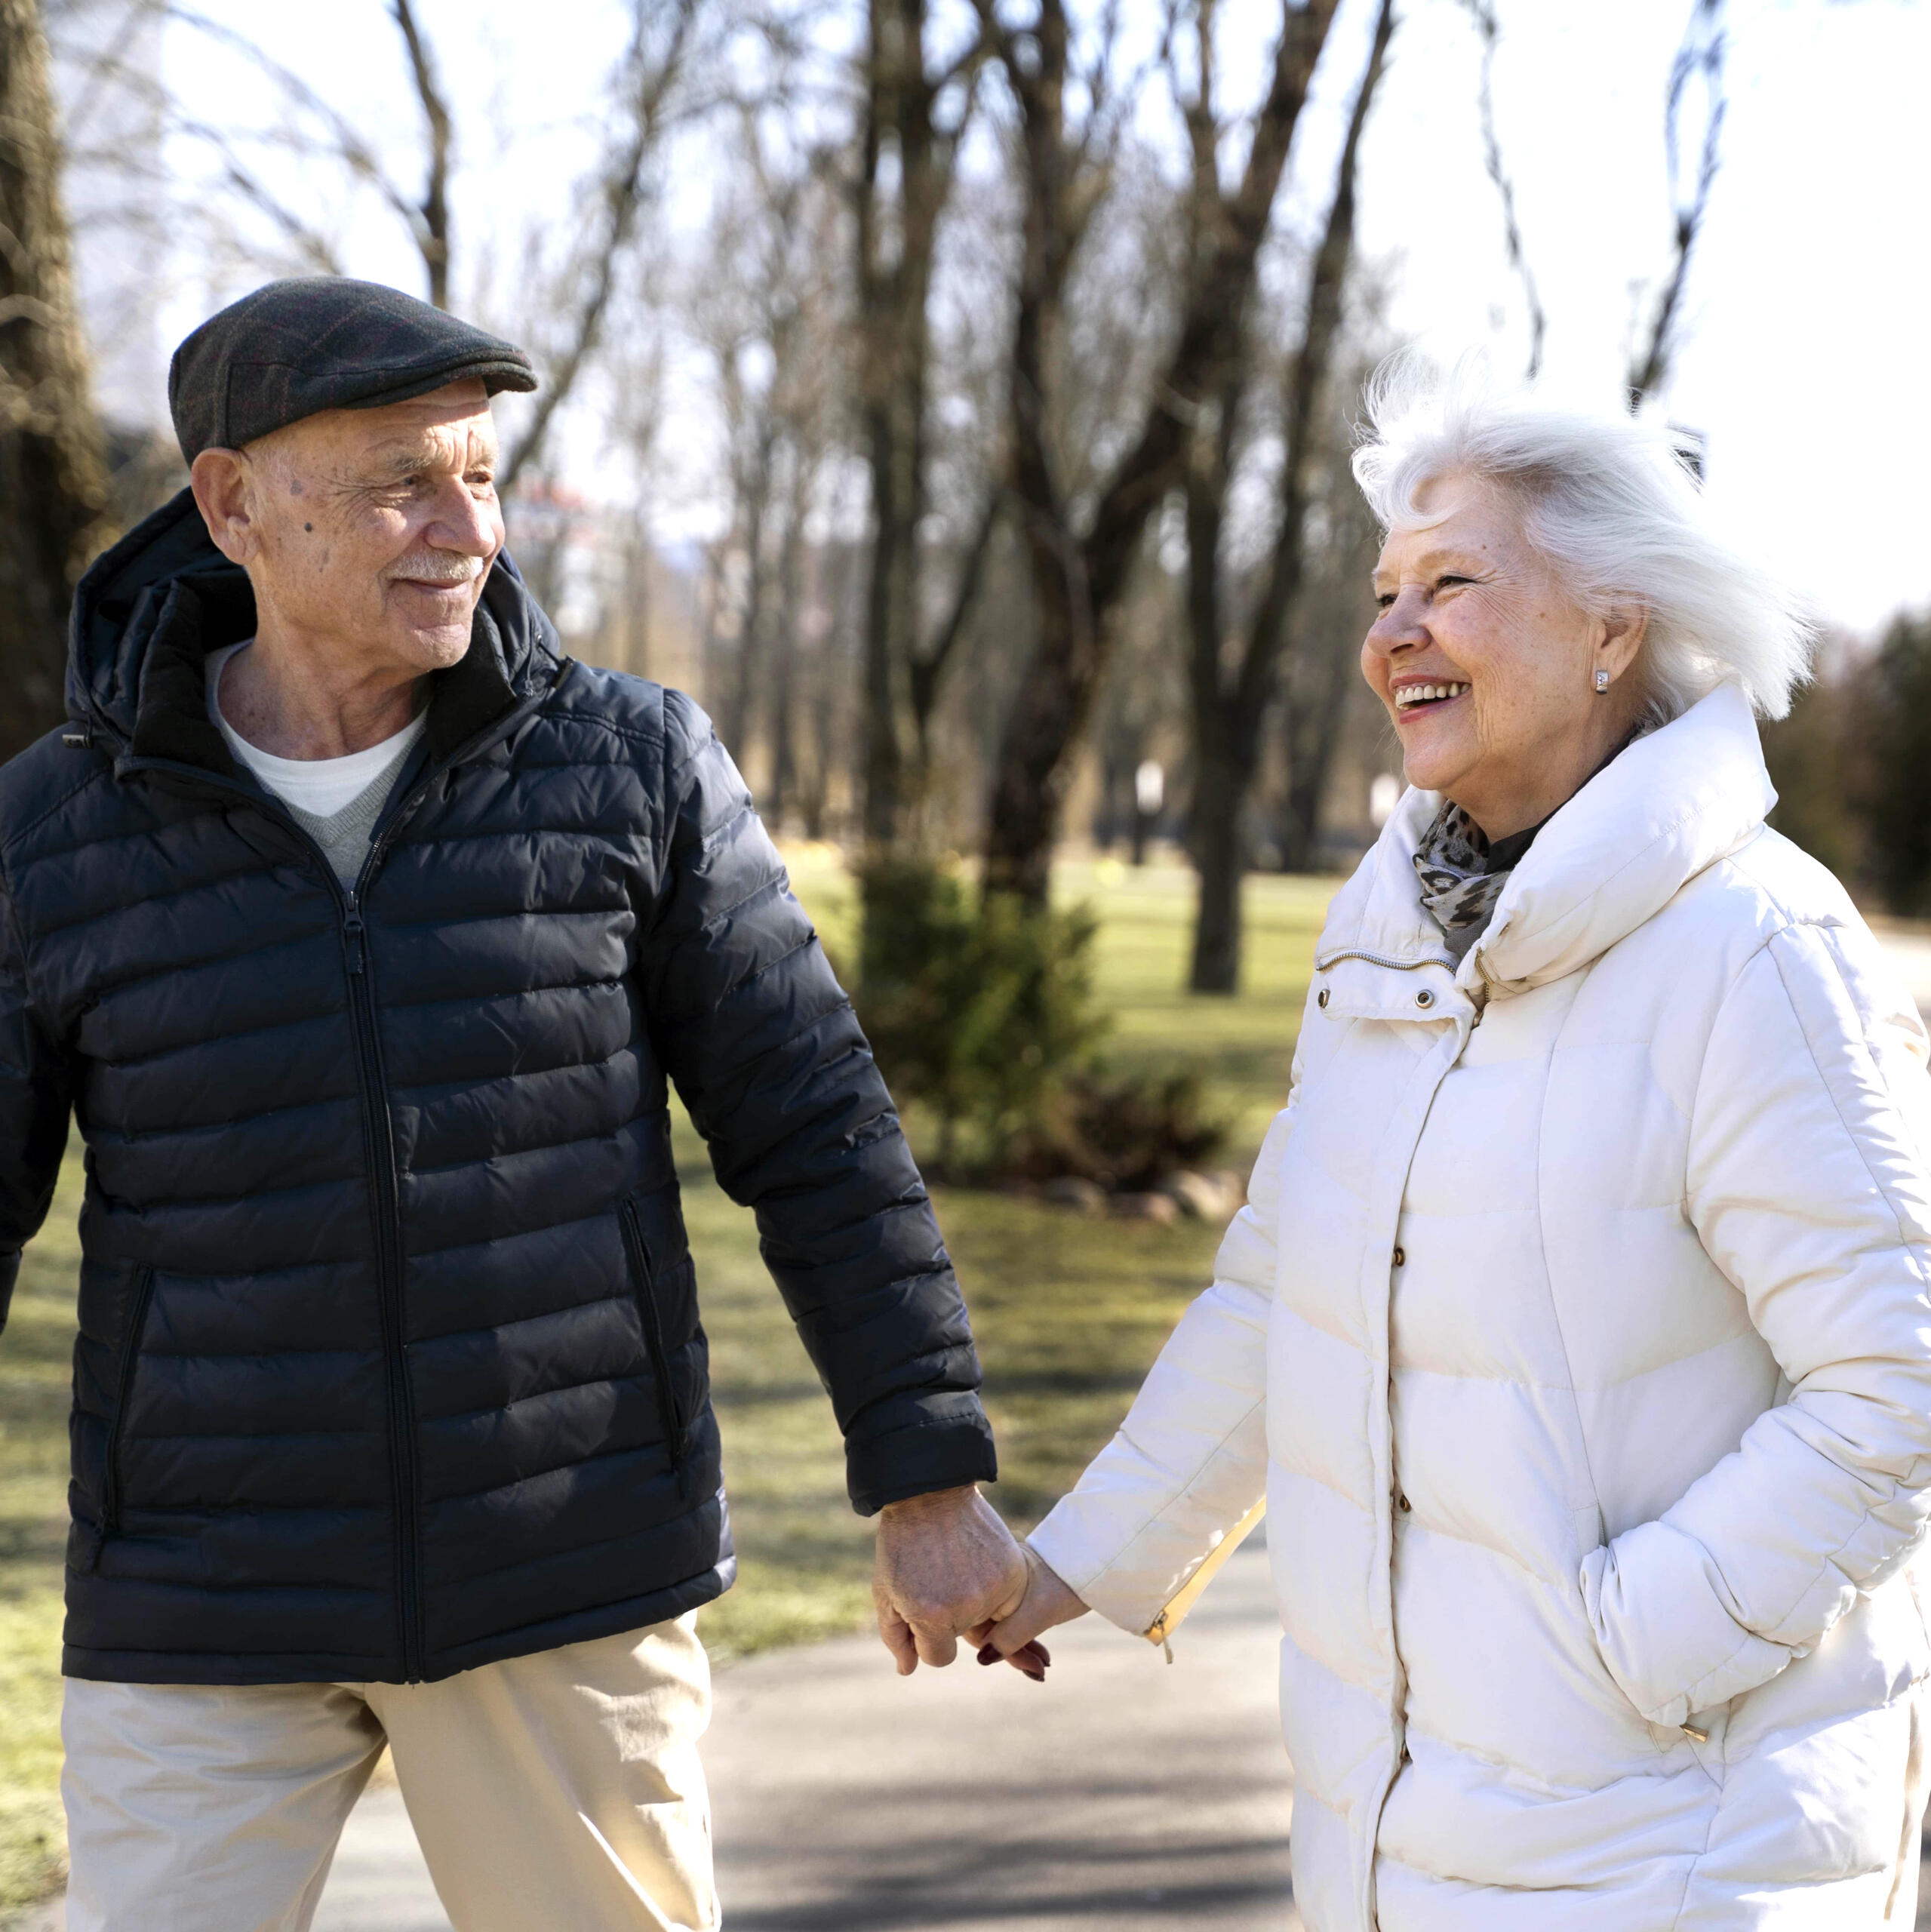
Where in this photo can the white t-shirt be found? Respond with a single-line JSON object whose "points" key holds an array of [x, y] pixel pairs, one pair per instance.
{"points": [[320, 787]]}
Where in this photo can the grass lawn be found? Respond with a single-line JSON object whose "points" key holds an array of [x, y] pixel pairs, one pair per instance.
{"points": [[1068, 1313]]}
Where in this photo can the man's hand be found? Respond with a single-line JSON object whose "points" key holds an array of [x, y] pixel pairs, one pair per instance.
{"points": [[946, 1563], [1047, 1602]]}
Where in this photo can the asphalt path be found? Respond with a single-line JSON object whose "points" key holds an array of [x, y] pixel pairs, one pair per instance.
{"points": [[1123, 1792]]}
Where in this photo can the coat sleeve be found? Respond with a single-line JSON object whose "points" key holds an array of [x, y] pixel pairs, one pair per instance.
{"points": [[34, 1099], [1190, 1460], [768, 1056], [1807, 1185]]}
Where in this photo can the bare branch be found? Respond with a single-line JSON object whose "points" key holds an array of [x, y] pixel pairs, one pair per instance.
{"points": [[350, 145], [1702, 51], [1482, 13], [928, 669], [621, 199], [1326, 289], [432, 220]]}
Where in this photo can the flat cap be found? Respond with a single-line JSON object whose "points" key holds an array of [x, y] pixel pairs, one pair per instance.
{"points": [[293, 348]]}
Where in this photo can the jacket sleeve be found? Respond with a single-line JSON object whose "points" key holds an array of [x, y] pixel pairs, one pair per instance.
{"points": [[1807, 1185], [1190, 1460], [34, 1100], [768, 1056]]}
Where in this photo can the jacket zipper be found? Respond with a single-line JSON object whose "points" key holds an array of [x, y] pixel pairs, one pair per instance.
{"points": [[379, 1146], [1382, 959], [651, 1315], [110, 1481]]}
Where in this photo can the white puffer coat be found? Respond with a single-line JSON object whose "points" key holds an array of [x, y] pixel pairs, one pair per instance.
{"points": [[1578, 1333]]}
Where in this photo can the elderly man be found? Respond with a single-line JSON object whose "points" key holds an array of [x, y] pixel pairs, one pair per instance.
{"points": [[360, 929]]}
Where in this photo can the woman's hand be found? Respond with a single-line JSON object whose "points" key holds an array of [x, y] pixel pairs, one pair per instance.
{"points": [[1047, 1602]]}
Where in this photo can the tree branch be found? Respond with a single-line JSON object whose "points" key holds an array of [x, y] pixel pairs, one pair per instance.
{"points": [[1482, 13], [620, 199], [1702, 51], [1326, 287], [431, 224]]}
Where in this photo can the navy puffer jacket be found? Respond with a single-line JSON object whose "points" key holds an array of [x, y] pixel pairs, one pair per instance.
{"points": [[389, 1361]]}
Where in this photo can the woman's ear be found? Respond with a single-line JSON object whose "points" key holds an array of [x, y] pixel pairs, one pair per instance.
{"points": [[224, 482], [1623, 632]]}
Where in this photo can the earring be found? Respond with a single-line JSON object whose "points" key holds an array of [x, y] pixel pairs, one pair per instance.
{"points": [[1602, 683]]}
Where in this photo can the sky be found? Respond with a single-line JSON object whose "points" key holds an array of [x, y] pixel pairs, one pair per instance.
{"points": [[1803, 363]]}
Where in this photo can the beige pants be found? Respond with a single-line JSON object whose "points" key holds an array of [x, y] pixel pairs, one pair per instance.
{"points": [[560, 1791]]}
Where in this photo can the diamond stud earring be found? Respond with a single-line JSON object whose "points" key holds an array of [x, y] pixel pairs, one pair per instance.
{"points": [[1602, 683]]}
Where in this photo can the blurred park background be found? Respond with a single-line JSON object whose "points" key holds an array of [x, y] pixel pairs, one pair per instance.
{"points": [[956, 396]]}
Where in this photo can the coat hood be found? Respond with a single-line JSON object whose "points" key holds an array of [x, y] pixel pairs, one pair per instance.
{"points": [[150, 609], [1675, 802]]}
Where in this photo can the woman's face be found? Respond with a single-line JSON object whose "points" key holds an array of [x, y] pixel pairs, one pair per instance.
{"points": [[1486, 664]]}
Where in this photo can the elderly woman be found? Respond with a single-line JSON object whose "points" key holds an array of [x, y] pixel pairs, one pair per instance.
{"points": [[1576, 1334]]}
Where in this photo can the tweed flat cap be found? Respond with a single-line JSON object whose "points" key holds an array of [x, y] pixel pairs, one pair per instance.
{"points": [[293, 348]]}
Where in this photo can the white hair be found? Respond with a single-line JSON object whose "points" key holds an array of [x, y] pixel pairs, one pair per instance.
{"points": [[1609, 502]]}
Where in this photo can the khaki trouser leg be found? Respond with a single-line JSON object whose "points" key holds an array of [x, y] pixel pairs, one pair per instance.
{"points": [[560, 1791], [564, 1790], [202, 1808]]}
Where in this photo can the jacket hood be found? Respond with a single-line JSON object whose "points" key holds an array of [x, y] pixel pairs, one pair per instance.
{"points": [[1673, 803], [149, 609]]}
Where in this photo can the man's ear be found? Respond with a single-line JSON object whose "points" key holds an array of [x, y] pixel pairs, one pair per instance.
{"points": [[224, 484]]}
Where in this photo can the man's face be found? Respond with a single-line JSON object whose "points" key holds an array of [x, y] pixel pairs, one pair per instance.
{"points": [[367, 534]]}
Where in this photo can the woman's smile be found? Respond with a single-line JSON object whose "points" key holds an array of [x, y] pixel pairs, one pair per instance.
{"points": [[1415, 696]]}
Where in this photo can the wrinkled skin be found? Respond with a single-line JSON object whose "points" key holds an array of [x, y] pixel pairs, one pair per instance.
{"points": [[367, 534], [1465, 598], [946, 1566]]}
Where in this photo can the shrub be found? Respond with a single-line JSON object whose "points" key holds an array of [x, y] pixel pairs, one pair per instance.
{"points": [[982, 1009], [1126, 1131]]}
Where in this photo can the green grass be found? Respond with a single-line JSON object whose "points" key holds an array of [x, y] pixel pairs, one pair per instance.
{"points": [[1068, 1313]]}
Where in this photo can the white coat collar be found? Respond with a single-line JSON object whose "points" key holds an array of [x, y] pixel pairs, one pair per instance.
{"points": [[1670, 806]]}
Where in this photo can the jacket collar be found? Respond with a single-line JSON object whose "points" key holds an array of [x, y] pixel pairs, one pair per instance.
{"points": [[150, 610], [1673, 804]]}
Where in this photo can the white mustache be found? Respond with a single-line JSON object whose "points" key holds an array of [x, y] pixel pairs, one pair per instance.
{"points": [[441, 567]]}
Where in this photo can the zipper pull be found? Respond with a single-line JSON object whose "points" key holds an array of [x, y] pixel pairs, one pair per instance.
{"points": [[352, 932]]}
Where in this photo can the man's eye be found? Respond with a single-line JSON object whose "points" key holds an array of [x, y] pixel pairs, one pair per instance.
{"points": [[1383, 600], [1445, 583]]}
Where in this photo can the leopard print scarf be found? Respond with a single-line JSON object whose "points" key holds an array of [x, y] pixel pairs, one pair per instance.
{"points": [[1459, 889]]}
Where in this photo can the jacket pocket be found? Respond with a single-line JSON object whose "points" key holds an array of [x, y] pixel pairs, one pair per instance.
{"points": [[659, 1256], [124, 1389]]}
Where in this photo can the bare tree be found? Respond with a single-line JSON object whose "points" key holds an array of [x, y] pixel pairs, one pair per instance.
{"points": [[914, 114], [52, 471], [430, 220], [1488, 26], [1235, 677], [1700, 54], [655, 84], [1078, 563]]}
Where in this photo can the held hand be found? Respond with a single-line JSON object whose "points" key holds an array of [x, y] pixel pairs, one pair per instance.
{"points": [[946, 1563], [1047, 1602]]}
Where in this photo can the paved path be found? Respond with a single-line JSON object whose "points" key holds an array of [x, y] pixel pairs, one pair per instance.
{"points": [[1121, 1794]]}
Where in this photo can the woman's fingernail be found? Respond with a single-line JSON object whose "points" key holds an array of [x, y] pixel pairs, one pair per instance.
{"points": [[987, 1654]]}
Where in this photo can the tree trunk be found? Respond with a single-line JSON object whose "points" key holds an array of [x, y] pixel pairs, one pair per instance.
{"points": [[53, 468], [896, 232], [1220, 856], [1313, 726], [1227, 712], [1078, 579]]}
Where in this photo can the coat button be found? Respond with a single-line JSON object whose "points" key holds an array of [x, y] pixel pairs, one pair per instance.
{"points": [[1425, 997], [1321, 997], [1401, 1257]]}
